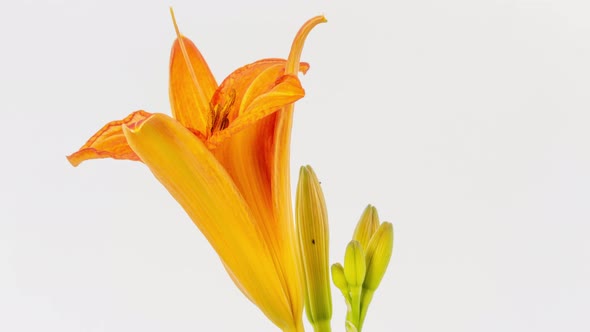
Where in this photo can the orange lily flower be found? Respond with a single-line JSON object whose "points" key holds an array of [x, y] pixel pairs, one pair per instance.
{"points": [[224, 156]]}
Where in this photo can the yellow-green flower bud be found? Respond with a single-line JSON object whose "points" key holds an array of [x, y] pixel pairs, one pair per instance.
{"points": [[367, 226], [340, 282], [354, 264], [338, 277], [312, 230], [365, 262], [378, 255]]}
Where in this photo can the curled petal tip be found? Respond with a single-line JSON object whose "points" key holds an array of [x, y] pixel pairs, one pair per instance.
{"points": [[134, 127], [297, 46], [109, 142], [73, 160]]}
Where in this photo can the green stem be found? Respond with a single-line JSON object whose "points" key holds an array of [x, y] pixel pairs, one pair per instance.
{"points": [[366, 300], [322, 326], [355, 296]]}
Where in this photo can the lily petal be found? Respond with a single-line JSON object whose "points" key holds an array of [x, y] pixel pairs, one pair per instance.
{"points": [[109, 142], [280, 168], [240, 83], [257, 157], [246, 154], [192, 85], [245, 151], [194, 177], [267, 79], [286, 91], [281, 185]]}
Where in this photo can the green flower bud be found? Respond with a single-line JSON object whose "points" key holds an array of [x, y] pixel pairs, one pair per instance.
{"points": [[338, 277], [378, 255], [365, 261], [367, 226], [312, 231], [354, 264]]}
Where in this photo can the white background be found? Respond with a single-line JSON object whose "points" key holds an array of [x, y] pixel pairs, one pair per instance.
{"points": [[465, 122]]}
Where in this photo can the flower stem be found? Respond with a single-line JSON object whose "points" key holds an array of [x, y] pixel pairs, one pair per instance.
{"points": [[322, 326], [355, 294]]}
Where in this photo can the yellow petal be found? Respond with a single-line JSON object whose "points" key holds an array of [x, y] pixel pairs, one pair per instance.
{"points": [[192, 175], [191, 84], [108, 142]]}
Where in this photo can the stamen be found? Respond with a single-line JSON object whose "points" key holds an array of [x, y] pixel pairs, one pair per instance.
{"points": [[229, 103], [219, 113], [211, 121]]}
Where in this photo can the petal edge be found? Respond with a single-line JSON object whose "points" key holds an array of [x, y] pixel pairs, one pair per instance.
{"points": [[109, 142]]}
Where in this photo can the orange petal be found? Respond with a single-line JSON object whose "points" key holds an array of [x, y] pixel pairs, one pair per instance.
{"points": [[109, 142], [280, 171], [281, 183], [262, 73], [286, 91], [191, 85], [247, 157], [247, 153], [257, 158]]}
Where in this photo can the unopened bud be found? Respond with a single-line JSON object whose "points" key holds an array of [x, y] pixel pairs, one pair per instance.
{"points": [[378, 255], [312, 230], [354, 264], [338, 277], [367, 226]]}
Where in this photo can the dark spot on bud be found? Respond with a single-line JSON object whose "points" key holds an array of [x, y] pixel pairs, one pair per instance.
{"points": [[312, 241]]}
